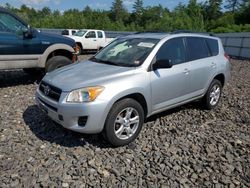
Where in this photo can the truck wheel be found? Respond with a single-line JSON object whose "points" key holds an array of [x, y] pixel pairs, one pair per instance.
{"points": [[78, 49], [57, 62], [124, 122], [212, 97]]}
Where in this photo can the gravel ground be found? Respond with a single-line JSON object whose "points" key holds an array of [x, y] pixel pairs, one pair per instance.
{"points": [[184, 147]]}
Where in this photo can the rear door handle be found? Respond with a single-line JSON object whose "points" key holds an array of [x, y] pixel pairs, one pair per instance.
{"points": [[94, 40], [186, 71]]}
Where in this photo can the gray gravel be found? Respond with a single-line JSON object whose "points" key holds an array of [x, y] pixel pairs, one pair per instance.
{"points": [[184, 147]]}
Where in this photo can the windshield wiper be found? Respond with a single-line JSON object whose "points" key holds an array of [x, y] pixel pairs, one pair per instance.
{"points": [[103, 61]]}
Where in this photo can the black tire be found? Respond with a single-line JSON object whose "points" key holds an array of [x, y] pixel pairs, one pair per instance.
{"points": [[110, 126], [207, 101], [79, 49], [57, 62]]}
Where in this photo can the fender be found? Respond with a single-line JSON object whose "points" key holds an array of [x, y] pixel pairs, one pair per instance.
{"points": [[121, 95], [210, 81], [42, 60]]}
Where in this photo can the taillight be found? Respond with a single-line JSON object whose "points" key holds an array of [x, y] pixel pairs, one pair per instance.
{"points": [[227, 56]]}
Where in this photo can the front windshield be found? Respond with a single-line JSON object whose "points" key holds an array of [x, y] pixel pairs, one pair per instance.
{"points": [[80, 33], [129, 52]]}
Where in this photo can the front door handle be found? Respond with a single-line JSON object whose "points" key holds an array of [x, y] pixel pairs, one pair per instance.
{"points": [[94, 40]]}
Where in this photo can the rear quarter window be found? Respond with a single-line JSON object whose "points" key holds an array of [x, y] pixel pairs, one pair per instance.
{"points": [[100, 35], [213, 46], [197, 48]]}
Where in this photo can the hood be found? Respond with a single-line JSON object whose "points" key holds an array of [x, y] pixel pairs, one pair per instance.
{"points": [[75, 38], [55, 38], [85, 74]]}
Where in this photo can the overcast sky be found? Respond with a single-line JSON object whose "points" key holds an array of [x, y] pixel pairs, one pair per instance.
{"points": [[63, 5]]}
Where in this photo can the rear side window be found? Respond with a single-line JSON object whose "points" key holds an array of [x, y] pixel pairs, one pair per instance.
{"points": [[100, 35], [173, 50], [213, 46], [197, 48]]}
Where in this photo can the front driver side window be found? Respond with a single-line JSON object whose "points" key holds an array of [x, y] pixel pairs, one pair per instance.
{"points": [[172, 50], [10, 24], [91, 34]]}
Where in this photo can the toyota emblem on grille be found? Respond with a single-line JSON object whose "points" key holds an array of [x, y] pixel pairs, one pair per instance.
{"points": [[46, 90]]}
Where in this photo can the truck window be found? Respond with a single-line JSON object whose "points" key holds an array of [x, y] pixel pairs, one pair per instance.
{"points": [[80, 33], [3, 28], [100, 35], [90, 34], [65, 32], [73, 32], [11, 24]]}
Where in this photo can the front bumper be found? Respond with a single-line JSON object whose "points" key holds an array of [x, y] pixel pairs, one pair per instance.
{"points": [[68, 114]]}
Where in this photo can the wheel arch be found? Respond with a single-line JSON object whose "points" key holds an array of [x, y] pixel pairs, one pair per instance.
{"points": [[80, 44], [137, 96], [56, 49], [221, 78]]}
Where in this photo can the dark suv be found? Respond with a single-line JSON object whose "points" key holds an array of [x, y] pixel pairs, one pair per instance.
{"points": [[24, 47]]}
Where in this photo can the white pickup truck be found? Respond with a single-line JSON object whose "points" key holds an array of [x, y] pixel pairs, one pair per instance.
{"points": [[90, 40]]}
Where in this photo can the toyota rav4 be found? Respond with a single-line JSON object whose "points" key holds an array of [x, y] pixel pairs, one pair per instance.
{"points": [[133, 78]]}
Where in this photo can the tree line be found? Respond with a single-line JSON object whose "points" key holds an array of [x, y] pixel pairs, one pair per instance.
{"points": [[211, 16]]}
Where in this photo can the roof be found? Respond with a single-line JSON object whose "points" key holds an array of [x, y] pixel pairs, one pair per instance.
{"points": [[161, 35], [152, 35]]}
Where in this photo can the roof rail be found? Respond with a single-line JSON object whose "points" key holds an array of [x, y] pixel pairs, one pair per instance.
{"points": [[189, 31], [154, 31]]}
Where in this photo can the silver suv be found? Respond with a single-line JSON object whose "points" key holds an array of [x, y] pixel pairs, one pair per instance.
{"points": [[133, 78]]}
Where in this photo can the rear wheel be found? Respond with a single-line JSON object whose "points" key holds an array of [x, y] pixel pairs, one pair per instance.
{"points": [[57, 62], [212, 97], [124, 122]]}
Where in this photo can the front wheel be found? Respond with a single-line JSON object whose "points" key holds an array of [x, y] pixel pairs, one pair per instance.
{"points": [[124, 122], [212, 97], [78, 49], [57, 62]]}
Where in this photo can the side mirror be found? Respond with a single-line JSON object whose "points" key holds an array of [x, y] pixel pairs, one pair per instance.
{"points": [[28, 34], [162, 64]]}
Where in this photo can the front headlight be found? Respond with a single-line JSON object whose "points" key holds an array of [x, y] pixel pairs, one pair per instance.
{"points": [[88, 94]]}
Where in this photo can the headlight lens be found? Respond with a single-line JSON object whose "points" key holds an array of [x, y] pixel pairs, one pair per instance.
{"points": [[88, 94]]}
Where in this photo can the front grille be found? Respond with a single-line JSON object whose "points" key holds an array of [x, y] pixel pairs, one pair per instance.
{"points": [[50, 91], [48, 105]]}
